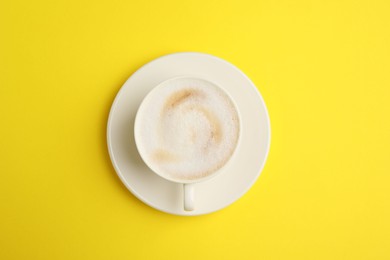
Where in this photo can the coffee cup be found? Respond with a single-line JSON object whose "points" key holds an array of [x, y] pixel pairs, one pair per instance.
{"points": [[187, 129]]}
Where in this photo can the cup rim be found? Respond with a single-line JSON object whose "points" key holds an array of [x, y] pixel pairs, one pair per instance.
{"points": [[137, 120]]}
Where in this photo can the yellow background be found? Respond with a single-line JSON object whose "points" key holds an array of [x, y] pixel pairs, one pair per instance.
{"points": [[323, 68]]}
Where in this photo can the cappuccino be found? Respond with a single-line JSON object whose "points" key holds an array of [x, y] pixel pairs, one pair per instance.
{"points": [[187, 129]]}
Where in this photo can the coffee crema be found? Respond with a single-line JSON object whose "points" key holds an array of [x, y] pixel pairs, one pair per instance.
{"points": [[188, 129]]}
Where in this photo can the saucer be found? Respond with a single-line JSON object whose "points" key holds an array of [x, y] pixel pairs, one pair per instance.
{"points": [[234, 180]]}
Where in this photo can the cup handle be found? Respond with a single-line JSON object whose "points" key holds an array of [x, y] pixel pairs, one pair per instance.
{"points": [[188, 196]]}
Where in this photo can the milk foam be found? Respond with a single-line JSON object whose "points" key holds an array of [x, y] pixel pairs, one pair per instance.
{"points": [[188, 129]]}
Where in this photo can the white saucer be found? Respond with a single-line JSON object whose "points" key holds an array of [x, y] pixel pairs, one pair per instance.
{"points": [[236, 178]]}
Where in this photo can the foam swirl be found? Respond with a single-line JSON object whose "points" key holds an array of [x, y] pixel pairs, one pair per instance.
{"points": [[191, 131]]}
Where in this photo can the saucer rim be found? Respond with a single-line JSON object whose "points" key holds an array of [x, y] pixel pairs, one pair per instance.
{"points": [[118, 170]]}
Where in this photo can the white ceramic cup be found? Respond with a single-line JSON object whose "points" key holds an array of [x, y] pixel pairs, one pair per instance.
{"points": [[188, 185]]}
